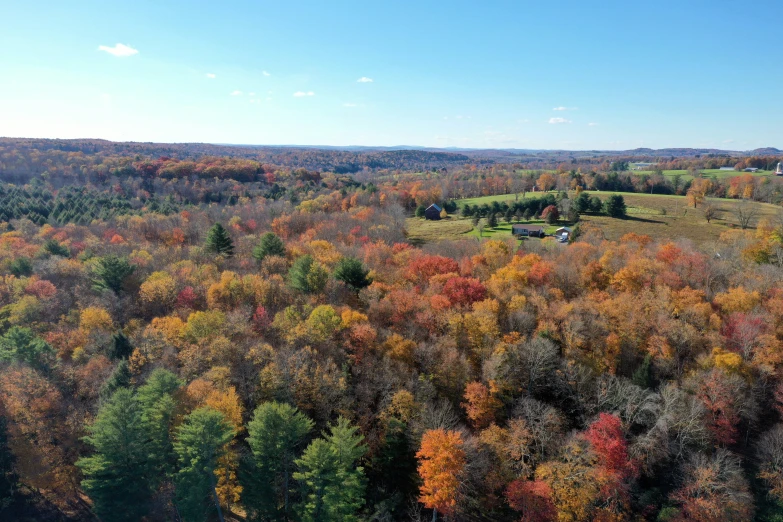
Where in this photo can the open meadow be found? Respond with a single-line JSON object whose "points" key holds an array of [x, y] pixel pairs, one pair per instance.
{"points": [[662, 217]]}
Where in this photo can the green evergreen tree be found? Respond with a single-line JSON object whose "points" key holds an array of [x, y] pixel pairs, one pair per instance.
{"points": [[270, 245], [219, 242], [54, 248], [615, 206], [110, 273], [120, 346], [157, 411], [596, 205], [642, 377], [117, 474], [582, 203], [352, 272], [22, 345], [420, 211], [120, 378], [332, 486], [200, 441], [275, 435], [21, 267], [392, 473], [307, 276], [492, 220]]}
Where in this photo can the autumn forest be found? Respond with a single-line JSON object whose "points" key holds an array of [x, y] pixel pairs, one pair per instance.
{"points": [[198, 333]]}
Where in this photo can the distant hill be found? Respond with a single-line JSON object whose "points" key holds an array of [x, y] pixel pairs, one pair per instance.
{"points": [[352, 159]]}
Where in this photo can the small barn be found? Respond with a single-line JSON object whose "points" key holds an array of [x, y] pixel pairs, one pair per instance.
{"points": [[527, 230], [432, 212], [563, 234]]}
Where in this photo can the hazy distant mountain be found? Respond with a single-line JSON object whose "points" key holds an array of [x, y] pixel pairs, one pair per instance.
{"points": [[351, 159]]}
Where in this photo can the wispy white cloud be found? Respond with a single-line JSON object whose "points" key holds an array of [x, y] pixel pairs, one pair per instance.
{"points": [[364, 79], [350, 105], [592, 124], [559, 120], [251, 94], [211, 76], [728, 141], [120, 50], [300, 94], [565, 109], [236, 93], [265, 73]]}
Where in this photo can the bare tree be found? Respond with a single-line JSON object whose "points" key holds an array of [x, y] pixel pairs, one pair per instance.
{"points": [[769, 453], [745, 212], [710, 211]]}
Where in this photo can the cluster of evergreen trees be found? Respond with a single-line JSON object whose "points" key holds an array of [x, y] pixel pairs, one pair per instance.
{"points": [[139, 456], [70, 205], [525, 206]]}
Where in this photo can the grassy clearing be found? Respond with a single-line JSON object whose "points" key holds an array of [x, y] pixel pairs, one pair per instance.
{"points": [[508, 198], [707, 173], [662, 217], [670, 217], [424, 231]]}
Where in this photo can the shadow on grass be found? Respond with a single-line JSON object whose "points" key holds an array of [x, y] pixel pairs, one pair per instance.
{"points": [[642, 220]]}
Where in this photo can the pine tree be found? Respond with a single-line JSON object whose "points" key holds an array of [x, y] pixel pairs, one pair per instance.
{"points": [[270, 245], [307, 276], [275, 435], [615, 206], [200, 442], [352, 272], [110, 273], [121, 347], [22, 345], [219, 242], [157, 405], [642, 377], [393, 471], [332, 486], [120, 378], [492, 220], [53, 247], [117, 475]]}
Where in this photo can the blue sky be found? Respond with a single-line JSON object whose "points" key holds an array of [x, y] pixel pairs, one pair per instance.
{"points": [[687, 73]]}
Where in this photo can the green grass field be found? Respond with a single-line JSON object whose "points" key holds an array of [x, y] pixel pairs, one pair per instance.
{"points": [[707, 173], [499, 198], [662, 217]]}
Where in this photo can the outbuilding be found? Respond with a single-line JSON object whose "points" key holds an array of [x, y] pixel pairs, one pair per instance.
{"points": [[432, 212], [563, 234]]}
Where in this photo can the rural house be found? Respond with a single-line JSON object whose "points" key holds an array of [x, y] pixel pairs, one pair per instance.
{"points": [[432, 212], [527, 230]]}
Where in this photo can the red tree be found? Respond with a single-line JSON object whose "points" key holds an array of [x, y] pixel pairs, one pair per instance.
{"points": [[464, 291], [532, 498]]}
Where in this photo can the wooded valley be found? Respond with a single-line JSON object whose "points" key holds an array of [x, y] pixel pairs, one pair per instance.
{"points": [[204, 332]]}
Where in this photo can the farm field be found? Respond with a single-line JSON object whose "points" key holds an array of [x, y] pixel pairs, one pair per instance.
{"points": [[500, 198], [709, 173], [662, 217]]}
